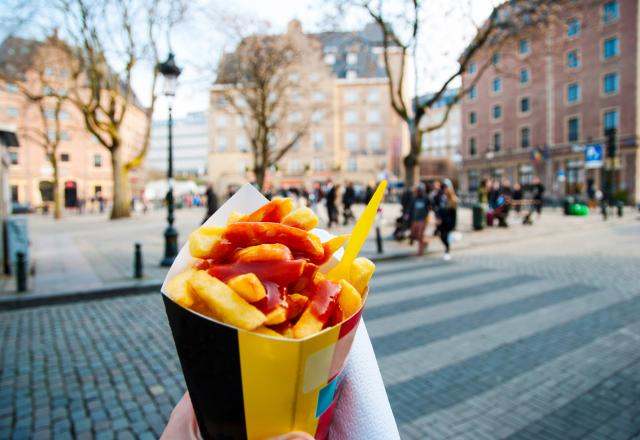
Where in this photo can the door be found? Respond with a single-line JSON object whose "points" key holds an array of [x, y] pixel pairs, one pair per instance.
{"points": [[70, 194]]}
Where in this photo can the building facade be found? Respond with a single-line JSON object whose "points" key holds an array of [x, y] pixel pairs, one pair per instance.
{"points": [[84, 164], [548, 93], [353, 132], [440, 157], [190, 145]]}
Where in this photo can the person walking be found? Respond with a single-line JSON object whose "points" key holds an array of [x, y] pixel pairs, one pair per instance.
{"points": [[538, 194], [517, 197], [212, 202], [332, 210], [348, 199], [448, 205], [419, 212]]}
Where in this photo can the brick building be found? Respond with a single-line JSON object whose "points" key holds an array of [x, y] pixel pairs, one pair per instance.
{"points": [[550, 91], [84, 165], [353, 134]]}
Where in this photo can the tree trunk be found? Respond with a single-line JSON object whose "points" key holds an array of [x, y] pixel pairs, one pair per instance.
{"points": [[57, 194], [260, 173], [121, 191], [411, 160]]}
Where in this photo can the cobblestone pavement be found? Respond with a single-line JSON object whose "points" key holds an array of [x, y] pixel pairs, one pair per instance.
{"points": [[501, 342]]}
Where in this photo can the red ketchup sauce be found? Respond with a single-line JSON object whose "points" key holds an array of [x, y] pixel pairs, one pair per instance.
{"points": [[276, 296], [325, 299]]}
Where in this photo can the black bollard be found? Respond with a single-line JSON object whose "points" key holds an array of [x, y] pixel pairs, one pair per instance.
{"points": [[21, 272], [137, 261], [379, 240]]}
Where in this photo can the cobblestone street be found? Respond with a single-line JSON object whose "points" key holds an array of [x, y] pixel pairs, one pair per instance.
{"points": [[532, 338]]}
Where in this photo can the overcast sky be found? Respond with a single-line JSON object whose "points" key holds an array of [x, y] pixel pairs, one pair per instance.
{"points": [[449, 26]]}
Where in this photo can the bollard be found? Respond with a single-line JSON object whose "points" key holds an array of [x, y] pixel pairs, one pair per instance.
{"points": [[379, 240], [137, 261], [21, 272], [620, 207]]}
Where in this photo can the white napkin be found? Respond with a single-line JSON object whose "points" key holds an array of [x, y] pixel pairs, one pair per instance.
{"points": [[363, 410]]}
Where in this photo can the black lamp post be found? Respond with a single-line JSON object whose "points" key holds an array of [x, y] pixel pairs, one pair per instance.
{"points": [[170, 72]]}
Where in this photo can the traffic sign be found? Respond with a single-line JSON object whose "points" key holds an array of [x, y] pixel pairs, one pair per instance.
{"points": [[593, 155]]}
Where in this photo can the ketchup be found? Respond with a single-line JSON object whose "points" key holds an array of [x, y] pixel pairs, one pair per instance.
{"points": [[325, 299], [280, 272], [276, 296]]}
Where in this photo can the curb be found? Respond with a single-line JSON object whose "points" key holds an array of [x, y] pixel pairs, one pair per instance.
{"points": [[22, 301]]}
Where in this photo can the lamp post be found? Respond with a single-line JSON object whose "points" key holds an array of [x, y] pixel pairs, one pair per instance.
{"points": [[170, 72]]}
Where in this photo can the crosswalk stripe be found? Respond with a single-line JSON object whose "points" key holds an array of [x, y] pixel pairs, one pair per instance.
{"points": [[392, 324]]}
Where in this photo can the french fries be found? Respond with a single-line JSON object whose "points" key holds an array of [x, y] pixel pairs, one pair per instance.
{"points": [[261, 272]]}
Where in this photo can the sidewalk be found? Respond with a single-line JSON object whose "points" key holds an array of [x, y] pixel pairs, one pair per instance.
{"points": [[90, 253]]}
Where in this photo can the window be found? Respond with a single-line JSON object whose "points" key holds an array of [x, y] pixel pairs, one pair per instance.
{"points": [[295, 166], [472, 68], [373, 95], [573, 27], [317, 116], [610, 83], [373, 116], [610, 48], [351, 117], [97, 160], [573, 130], [473, 118], [329, 58], [12, 88], [374, 140], [12, 112], [318, 164], [221, 121], [295, 117], [242, 166], [64, 135], [524, 76], [48, 71], [523, 47], [63, 115], [472, 147], [352, 74], [473, 93], [64, 157], [294, 78], [573, 60], [64, 73], [241, 144], [525, 105], [496, 85], [14, 194], [317, 139], [222, 144], [352, 164], [610, 120], [525, 137], [610, 11], [497, 141], [47, 91], [317, 96], [350, 96], [496, 111], [13, 157], [352, 58], [351, 141], [573, 92], [495, 59]]}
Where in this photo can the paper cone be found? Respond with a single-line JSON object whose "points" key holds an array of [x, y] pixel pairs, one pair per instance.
{"points": [[245, 385]]}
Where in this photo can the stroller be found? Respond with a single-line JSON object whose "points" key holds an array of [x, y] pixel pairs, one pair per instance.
{"points": [[403, 228]]}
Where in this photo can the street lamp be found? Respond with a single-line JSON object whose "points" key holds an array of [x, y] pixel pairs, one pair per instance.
{"points": [[170, 72]]}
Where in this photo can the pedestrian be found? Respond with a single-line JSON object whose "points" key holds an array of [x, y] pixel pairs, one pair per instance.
{"points": [[448, 205], [419, 213], [435, 196], [368, 193], [332, 210], [405, 200], [483, 192], [503, 203], [212, 202], [100, 202], [348, 199], [517, 198], [538, 195]]}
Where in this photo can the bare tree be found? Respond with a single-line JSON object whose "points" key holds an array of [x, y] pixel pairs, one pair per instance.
{"points": [[405, 35], [262, 84], [37, 78], [113, 39]]}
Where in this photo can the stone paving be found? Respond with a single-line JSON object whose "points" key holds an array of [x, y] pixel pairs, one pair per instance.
{"points": [[527, 339]]}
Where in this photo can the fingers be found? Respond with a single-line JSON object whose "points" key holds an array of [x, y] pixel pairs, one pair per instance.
{"points": [[182, 423]]}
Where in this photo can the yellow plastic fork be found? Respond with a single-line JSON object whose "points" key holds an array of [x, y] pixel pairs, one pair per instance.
{"points": [[359, 235]]}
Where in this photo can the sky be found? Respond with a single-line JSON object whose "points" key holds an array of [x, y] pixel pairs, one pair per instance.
{"points": [[448, 24]]}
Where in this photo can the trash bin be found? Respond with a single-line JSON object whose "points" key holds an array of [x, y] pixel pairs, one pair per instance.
{"points": [[17, 241], [478, 216]]}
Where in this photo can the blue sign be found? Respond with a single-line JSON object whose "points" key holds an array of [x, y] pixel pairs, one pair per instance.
{"points": [[593, 155]]}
